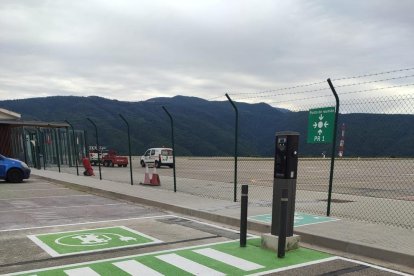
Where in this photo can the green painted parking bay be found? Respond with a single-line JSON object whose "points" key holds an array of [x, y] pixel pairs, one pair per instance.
{"points": [[225, 258], [300, 219], [90, 240]]}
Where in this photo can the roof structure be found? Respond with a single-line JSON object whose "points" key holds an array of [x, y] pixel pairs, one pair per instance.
{"points": [[13, 119], [9, 115], [19, 123]]}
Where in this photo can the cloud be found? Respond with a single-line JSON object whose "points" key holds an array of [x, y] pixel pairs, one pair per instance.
{"points": [[135, 50]]}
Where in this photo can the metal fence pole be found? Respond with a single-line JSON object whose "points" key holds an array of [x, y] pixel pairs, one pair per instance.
{"points": [[85, 142], [235, 146], [69, 147], [129, 148], [173, 146], [24, 145], [43, 148], [37, 149], [328, 209], [59, 137], [57, 148], [97, 147], [75, 148]]}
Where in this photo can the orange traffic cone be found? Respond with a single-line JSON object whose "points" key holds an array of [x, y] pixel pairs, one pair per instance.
{"points": [[155, 179], [147, 180]]}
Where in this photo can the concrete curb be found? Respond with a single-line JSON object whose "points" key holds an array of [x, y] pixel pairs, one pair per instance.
{"points": [[311, 239]]}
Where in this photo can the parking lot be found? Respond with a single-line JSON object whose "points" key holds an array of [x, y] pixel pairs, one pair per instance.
{"points": [[374, 190], [49, 229], [381, 178]]}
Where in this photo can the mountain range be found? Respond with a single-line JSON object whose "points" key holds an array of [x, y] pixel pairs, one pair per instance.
{"points": [[206, 128]]}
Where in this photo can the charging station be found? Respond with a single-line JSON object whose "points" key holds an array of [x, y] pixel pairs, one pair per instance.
{"points": [[285, 175], [284, 194]]}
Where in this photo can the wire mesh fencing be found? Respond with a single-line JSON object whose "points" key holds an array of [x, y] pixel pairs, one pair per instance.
{"points": [[373, 174]]}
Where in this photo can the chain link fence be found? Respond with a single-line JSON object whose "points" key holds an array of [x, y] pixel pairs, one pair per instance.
{"points": [[373, 180]]}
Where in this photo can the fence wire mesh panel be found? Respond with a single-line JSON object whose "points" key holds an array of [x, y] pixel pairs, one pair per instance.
{"points": [[373, 179], [379, 186], [314, 159], [198, 172], [373, 176]]}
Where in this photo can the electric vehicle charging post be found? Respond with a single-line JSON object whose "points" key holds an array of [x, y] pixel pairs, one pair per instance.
{"points": [[284, 192]]}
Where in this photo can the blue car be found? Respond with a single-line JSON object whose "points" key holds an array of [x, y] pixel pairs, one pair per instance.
{"points": [[13, 170]]}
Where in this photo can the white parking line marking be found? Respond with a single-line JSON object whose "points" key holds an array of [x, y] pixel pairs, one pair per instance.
{"points": [[81, 223], [135, 268], [188, 265], [294, 266], [228, 259], [83, 271], [374, 266], [38, 189], [44, 246], [62, 207], [36, 197]]}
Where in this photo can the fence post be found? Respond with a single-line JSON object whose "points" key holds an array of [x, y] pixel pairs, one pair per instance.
{"points": [[37, 149], [69, 147], [173, 146], [75, 148], [57, 148], [235, 146], [85, 142], [129, 148], [328, 210], [24, 145], [97, 147]]}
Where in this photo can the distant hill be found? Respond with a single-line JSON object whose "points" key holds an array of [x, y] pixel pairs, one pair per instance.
{"points": [[206, 128]]}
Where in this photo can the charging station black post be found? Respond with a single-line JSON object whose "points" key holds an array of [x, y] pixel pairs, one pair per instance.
{"points": [[285, 175]]}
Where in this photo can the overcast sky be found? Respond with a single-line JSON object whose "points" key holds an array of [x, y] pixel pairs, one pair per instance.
{"points": [[135, 50]]}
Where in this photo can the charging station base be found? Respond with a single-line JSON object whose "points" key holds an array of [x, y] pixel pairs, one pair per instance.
{"points": [[270, 241]]}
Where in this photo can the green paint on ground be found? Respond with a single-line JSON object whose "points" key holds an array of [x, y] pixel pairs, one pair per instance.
{"points": [[300, 219], [266, 260], [75, 242]]}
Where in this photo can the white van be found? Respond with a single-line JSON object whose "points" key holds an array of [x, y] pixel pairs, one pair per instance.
{"points": [[158, 157]]}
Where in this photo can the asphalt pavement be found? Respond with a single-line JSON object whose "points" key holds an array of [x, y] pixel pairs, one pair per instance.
{"points": [[392, 247]]}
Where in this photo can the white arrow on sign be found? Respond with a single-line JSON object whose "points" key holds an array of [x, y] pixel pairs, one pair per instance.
{"points": [[320, 131], [321, 117], [326, 124], [315, 125]]}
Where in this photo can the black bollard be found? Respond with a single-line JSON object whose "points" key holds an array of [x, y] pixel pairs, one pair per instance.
{"points": [[243, 215], [282, 230]]}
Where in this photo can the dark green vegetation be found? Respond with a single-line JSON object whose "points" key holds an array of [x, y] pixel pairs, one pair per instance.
{"points": [[206, 128]]}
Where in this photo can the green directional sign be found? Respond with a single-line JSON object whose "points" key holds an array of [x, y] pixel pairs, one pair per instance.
{"points": [[91, 240], [320, 125]]}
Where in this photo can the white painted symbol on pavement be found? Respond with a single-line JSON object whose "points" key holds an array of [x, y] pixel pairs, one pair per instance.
{"points": [[91, 239]]}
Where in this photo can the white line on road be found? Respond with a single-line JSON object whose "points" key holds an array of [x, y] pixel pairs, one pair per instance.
{"points": [[135, 268], [83, 271], [81, 223], [374, 266], [188, 265], [39, 189], [228, 259], [62, 207], [294, 266], [19, 198]]}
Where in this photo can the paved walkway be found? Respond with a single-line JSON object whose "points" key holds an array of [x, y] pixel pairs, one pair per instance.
{"points": [[388, 244]]}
